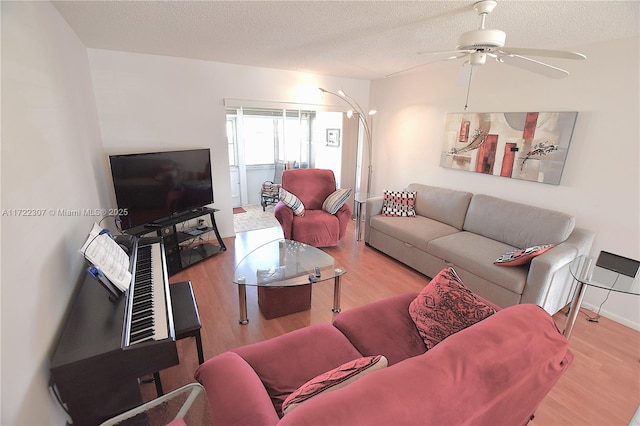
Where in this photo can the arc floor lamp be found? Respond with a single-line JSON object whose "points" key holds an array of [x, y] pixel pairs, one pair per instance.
{"points": [[367, 121]]}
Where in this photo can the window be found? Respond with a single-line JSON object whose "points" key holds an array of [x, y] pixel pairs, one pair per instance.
{"points": [[259, 137], [265, 136]]}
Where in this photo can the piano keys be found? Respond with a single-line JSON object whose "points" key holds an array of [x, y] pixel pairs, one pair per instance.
{"points": [[147, 322], [105, 346]]}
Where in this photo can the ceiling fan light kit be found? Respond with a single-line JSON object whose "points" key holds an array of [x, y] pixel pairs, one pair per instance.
{"points": [[477, 58]]}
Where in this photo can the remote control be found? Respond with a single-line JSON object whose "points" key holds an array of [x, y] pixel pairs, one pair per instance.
{"points": [[312, 278], [317, 271]]}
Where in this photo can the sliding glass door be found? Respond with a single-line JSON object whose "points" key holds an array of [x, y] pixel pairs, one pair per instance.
{"points": [[260, 137]]}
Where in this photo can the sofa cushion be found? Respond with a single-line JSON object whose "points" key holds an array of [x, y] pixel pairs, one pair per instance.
{"points": [[494, 373], [311, 186], [416, 231], [446, 306], [318, 228], [333, 380], [383, 327], [521, 257], [444, 205], [473, 252], [518, 225], [285, 362], [399, 203]]}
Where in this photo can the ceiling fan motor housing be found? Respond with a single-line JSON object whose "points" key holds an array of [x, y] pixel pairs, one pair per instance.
{"points": [[483, 39]]}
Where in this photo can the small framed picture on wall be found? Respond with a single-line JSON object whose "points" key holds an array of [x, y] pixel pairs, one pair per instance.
{"points": [[333, 137]]}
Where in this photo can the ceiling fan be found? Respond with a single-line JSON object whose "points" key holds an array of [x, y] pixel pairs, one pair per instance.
{"points": [[477, 45]]}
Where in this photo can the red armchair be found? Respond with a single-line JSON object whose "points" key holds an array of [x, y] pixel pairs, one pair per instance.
{"points": [[317, 227]]}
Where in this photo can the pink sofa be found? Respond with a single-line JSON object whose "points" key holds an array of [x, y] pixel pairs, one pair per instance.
{"points": [[495, 372], [317, 227]]}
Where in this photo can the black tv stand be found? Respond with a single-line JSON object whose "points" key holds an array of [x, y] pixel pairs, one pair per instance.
{"points": [[184, 248]]}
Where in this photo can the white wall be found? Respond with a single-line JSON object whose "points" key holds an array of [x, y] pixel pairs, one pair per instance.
{"points": [[327, 157], [51, 153], [148, 102], [601, 180], [53, 157]]}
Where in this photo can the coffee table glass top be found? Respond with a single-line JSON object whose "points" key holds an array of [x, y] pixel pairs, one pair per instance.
{"points": [[284, 263], [585, 270]]}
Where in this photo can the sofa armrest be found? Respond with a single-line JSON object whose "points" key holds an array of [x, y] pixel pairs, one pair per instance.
{"points": [[549, 282], [284, 363], [344, 217], [240, 401], [284, 215], [373, 208]]}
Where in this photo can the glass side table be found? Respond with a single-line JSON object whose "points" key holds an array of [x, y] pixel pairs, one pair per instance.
{"points": [[586, 273]]}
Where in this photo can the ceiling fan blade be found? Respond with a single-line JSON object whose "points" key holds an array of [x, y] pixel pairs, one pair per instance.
{"points": [[408, 69], [562, 54], [446, 52], [461, 54], [533, 66]]}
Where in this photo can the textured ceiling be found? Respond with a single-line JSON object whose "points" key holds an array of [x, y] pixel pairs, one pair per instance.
{"points": [[358, 39]]}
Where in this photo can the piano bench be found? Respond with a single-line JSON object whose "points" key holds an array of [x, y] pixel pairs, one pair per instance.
{"points": [[186, 320]]}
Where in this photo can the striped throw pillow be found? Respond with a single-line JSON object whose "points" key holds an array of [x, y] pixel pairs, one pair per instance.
{"points": [[292, 202], [336, 200]]}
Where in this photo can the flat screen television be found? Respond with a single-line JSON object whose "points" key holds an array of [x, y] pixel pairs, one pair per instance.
{"points": [[153, 187]]}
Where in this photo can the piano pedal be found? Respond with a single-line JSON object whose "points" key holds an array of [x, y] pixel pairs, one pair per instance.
{"points": [[155, 378], [145, 381]]}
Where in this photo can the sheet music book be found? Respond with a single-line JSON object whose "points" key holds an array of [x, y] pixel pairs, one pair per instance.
{"points": [[106, 254]]}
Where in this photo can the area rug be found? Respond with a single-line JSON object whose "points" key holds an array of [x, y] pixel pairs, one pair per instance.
{"points": [[254, 219], [237, 210]]}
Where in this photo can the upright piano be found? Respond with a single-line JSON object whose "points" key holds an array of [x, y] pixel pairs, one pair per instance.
{"points": [[106, 345]]}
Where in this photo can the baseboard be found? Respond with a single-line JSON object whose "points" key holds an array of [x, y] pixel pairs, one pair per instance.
{"points": [[612, 316]]}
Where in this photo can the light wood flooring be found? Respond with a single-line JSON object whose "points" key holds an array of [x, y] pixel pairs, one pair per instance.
{"points": [[601, 387]]}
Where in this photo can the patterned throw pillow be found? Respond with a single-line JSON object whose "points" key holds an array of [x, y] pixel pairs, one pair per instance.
{"points": [[399, 203], [336, 200], [521, 257], [292, 202], [446, 306], [334, 379]]}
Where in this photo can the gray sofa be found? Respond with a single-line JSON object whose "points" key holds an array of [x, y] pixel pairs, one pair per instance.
{"points": [[468, 232]]}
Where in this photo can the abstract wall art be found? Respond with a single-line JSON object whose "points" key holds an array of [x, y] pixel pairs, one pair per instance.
{"points": [[530, 146]]}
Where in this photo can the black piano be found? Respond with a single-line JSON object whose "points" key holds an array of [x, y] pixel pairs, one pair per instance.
{"points": [[107, 345]]}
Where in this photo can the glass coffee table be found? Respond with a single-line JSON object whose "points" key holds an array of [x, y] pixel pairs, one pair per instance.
{"points": [[285, 263]]}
